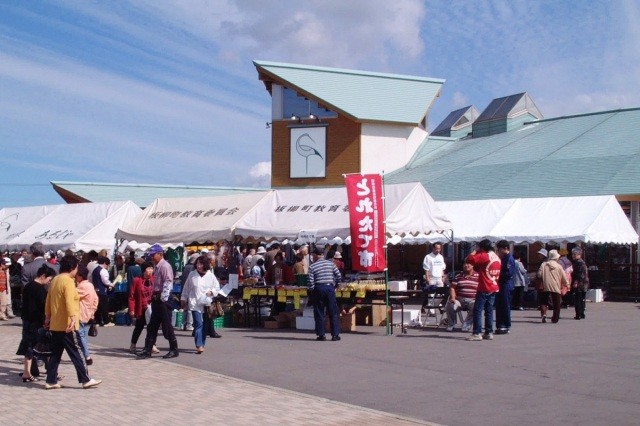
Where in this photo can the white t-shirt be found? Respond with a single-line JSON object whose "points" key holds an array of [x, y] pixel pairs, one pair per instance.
{"points": [[434, 263]]}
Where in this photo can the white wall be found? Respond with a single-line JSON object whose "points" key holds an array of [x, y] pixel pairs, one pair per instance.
{"points": [[387, 147]]}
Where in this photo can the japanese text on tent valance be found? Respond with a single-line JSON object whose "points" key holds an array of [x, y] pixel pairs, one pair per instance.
{"points": [[176, 214], [312, 208]]}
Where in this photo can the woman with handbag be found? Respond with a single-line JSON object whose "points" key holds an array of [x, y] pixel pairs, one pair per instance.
{"points": [[198, 293], [139, 301], [34, 296], [88, 306]]}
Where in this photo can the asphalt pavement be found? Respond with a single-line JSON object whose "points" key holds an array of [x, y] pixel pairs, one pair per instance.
{"points": [[573, 372]]}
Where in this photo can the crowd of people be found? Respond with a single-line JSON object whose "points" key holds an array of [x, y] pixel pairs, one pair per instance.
{"points": [[493, 280], [63, 296]]}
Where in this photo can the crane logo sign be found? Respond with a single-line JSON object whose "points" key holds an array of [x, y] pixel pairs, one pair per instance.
{"points": [[308, 152]]}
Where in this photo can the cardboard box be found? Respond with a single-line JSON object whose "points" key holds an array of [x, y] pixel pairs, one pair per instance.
{"points": [[347, 322], [305, 323], [595, 295], [379, 314], [363, 315], [397, 286], [411, 316], [271, 324]]}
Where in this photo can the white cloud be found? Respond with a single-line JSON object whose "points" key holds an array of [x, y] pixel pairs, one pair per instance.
{"points": [[260, 170], [459, 100]]}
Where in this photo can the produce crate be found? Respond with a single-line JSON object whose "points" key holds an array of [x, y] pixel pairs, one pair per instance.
{"points": [[218, 322]]}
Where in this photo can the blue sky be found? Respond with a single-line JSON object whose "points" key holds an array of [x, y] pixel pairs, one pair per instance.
{"points": [[150, 91]]}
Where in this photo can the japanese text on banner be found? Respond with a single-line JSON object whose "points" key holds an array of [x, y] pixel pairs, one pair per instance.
{"points": [[366, 219]]}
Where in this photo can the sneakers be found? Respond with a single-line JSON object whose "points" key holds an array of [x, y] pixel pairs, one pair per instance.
{"points": [[450, 328], [503, 331], [132, 349], [109, 324], [89, 361], [3, 318], [91, 384], [336, 339], [321, 338], [48, 386], [155, 350], [188, 328], [466, 328], [487, 336], [544, 319], [474, 337]]}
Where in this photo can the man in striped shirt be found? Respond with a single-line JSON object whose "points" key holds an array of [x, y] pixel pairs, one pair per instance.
{"points": [[462, 297], [323, 276]]}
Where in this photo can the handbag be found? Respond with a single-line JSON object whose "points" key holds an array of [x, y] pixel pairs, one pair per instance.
{"points": [[215, 310], [43, 345], [93, 330]]}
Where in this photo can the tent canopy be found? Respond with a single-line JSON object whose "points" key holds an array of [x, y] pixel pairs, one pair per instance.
{"points": [[597, 219], [15, 220], [84, 226], [283, 214], [170, 221]]}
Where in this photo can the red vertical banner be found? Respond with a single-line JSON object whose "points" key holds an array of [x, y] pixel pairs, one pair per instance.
{"points": [[366, 219]]}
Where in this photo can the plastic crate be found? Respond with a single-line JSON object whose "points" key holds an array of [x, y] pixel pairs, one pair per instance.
{"points": [[120, 318], [218, 322]]}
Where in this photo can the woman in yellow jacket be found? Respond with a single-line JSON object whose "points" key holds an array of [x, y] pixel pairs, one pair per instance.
{"points": [[62, 311]]}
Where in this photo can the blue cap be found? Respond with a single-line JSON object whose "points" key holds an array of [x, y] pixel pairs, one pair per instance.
{"points": [[156, 248]]}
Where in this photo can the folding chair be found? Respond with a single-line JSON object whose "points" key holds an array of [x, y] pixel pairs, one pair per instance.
{"points": [[436, 301]]}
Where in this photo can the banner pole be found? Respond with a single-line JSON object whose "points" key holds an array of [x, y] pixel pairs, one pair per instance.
{"points": [[386, 256]]}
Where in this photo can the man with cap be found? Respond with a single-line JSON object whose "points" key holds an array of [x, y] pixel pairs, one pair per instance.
{"points": [[323, 276], [29, 270], [579, 282], [160, 308]]}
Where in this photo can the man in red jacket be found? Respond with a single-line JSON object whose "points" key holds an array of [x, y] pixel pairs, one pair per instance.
{"points": [[487, 264]]}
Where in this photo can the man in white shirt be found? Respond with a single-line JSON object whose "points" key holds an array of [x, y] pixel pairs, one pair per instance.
{"points": [[434, 266]]}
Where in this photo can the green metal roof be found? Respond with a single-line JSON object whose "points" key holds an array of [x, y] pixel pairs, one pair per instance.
{"points": [[141, 194], [363, 96], [590, 154]]}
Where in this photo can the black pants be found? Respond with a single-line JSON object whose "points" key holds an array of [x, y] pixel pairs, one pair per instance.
{"points": [[62, 341], [160, 316], [518, 297], [137, 330], [102, 313], [208, 327], [579, 302]]}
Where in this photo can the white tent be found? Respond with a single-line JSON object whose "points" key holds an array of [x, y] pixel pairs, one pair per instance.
{"points": [[171, 221], [285, 213], [597, 219], [15, 220], [84, 226]]}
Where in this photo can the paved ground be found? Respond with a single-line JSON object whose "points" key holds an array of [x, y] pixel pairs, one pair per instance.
{"points": [[574, 372]]}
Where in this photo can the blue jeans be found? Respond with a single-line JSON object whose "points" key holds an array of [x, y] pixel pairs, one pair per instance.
{"points": [[484, 303], [83, 341], [324, 296], [198, 328]]}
